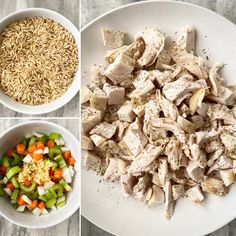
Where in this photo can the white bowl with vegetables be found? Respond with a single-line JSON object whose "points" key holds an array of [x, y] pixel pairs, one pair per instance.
{"points": [[39, 174]]}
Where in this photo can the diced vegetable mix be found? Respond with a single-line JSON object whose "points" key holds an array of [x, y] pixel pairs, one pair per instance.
{"points": [[37, 173]]}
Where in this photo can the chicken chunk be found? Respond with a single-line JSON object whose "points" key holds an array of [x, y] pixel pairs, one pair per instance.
{"points": [[112, 171], [86, 143], [178, 191], [213, 186], [98, 79], [127, 184], [227, 176], [187, 39], [112, 38], [195, 194], [126, 113], [98, 99], [115, 94], [157, 197], [92, 161], [85, 94], [194, 171], [104, 129]]}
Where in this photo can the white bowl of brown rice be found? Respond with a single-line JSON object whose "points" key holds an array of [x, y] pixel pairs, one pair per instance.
{"points": [[39, 61]]}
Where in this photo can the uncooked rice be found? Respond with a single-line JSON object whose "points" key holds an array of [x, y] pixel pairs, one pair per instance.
{"points": [[38, 60]]}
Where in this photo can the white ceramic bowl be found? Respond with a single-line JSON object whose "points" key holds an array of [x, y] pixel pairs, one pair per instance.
{"points": [[72, 90], [103, 203], [27, 219]]}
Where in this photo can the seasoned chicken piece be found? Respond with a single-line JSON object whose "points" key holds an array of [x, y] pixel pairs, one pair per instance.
{"points": [[99, 141], [86, 143], [215, 79], [186, 125], [227, 176], [222, 163], [202, 137], [212, 157], [178, 88], [120, 131], [220, 112], [126, 113], [195, 194], [177, 191], [172, 126], [193, 64], [145, 158], [92, 161], [115, 94], [198, 155], [157, 197], [161, 77], [98, 99], [214, 186], [104, 129], [111, 114], [154, 44], [163, 172], [127, 184], [198, 121], [194, 171], [187, 39], [163, 59], [139, 110], [90, 118], [203, 109], [112, 171], [229, 141], [97, 77], [120, 69], [142, 184], [195, 101], [135, 141], [213, 146], [175, 155], [169, 109], [169, 203], [85, 94], [112, 38]]}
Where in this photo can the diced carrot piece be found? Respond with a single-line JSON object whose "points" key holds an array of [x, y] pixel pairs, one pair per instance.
{"points": [[41, 205], [42, 182], [32, 148], [10, 186], [20, 148], [27, 183], [67, 155], [33, 204], [10, 153], [3, 170], [70, 161], [37, 157], [58, 173], [20, 200], [50, 143], [40, 145]]}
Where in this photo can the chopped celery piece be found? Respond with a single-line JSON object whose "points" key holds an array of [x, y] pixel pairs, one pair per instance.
{"points": [[29, 189], [58, 158], [43, 198], [53, 193], [59, 189], [62, 164], [54, 136], [24, 141], [13, 171], [43, 139], [61, 201], [5, 161], [33, 196], [54, 150], [50, 203], [33, 139], [16, 159], [48, 194], [15, 194], [66, 186], [15, 182], [54, 166]]}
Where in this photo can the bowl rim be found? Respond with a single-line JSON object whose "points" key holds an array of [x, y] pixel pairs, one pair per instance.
{"points": [[76, 205], [51, 106], [110, 12]]}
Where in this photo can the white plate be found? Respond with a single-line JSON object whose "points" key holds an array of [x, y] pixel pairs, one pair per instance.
{"points": [[104, 205]]}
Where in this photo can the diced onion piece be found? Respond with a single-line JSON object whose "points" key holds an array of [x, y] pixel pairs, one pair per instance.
{"points": [[20, 208], [7, 191], [59, 141], [44, 212], [37, 211], [40, 190], [46, 150], [76, 166], [48, 185], [71, 170], [26, 199], [13, 201], [38, 135], [65, 149], [28, 135], [5, 180], [66, 175], [39, 151], [27, 158], [53, 208]]}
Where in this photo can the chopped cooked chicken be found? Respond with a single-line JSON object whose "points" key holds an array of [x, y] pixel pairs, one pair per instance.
{"points": [[115, 94], [214, 186], [154, 44], [112, 38], [160, 121]]}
